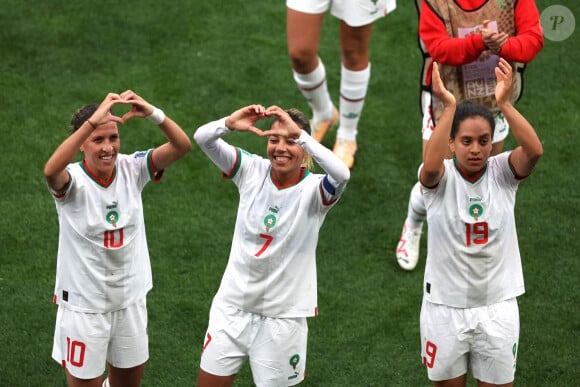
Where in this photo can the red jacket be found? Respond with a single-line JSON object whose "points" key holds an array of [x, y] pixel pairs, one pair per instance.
{"points": [[454, 51]]}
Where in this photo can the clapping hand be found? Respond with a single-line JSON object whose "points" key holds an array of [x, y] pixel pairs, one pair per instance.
{"points": [[493, 40], [439, 89], [503, 74]]}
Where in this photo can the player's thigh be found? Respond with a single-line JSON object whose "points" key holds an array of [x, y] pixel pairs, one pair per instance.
{"points": [[354, 43], [227, 340], [129, 345], [495, 349], [126, 377], [80, 342], [76, 382], [444, 344], [278, 354], [205, 379], [303, 33]]}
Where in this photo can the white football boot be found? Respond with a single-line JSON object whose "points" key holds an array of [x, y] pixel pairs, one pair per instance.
{"points": [[408, 247]]}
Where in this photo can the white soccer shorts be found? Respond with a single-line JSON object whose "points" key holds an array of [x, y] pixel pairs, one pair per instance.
{"points": [[354, 13], [483, 340], [275, 347], [85, 342]]}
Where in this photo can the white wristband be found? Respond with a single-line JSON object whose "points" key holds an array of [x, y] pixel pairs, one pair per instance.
{"points": [[157, 117]]}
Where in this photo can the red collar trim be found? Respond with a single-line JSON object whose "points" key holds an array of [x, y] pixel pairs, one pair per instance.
{"points": [[95, 178]]}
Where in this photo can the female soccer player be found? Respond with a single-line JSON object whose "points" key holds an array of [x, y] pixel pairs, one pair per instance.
{"points": [[103, 271], [304, 22], [466, 37], [269, 285], [473, 274]]}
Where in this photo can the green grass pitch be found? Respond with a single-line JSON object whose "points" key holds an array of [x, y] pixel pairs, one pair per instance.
{"points": [[198, 61]]}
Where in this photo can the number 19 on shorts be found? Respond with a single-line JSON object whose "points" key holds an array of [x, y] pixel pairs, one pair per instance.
{"points": [[430, 351]]}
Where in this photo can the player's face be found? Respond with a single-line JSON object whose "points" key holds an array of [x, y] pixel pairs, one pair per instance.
{"points": [[472, 144], [101, 149], [286, 157]]}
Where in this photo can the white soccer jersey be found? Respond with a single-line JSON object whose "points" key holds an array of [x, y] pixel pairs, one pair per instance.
{"points": [[473, 258], [272, 265], [103, 260]]}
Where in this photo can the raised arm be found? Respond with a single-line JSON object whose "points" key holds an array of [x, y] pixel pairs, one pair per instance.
{"points": [[524, 157], [178, 143], [437, 146], [208, 136], [55, 171]]}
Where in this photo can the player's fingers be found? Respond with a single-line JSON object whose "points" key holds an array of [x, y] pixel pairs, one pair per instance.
{"points": [[275, 110], [255, 130], [504, 66], [258, 109]]}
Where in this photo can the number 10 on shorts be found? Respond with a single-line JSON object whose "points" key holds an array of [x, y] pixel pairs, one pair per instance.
{"points": [[75, 352]]}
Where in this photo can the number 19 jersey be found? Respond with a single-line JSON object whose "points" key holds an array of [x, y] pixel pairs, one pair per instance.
{"points": [[473, 258]]}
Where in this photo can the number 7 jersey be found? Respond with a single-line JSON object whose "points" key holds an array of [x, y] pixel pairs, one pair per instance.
{"points": [[272, 265], [473, 258]]}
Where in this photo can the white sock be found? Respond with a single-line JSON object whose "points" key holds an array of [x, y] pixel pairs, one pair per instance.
{"points": [[416, 211], [315, 89], [353, 90], [106, 383]]}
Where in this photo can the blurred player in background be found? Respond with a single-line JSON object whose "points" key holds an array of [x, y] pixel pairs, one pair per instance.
{"points": [[469, 316], [466, 37], [304, 23], [103, 270], [269, 287]]}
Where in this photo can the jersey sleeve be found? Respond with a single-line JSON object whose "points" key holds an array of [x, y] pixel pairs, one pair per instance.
{"points": [[141, 164], [337, 173], [226, 157], [440, 183], [506, 174], [62, 193]]}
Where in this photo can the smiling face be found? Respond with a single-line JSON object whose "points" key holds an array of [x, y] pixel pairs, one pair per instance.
{"points": [[101, 149], [286, 157], [472, 144]]}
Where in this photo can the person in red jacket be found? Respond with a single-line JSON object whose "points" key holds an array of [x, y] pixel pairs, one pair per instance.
{"points": [[466, 38]]}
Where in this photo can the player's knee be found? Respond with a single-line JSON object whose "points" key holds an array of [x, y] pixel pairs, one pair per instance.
{"points": [[355, 60], [303, 60]]}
